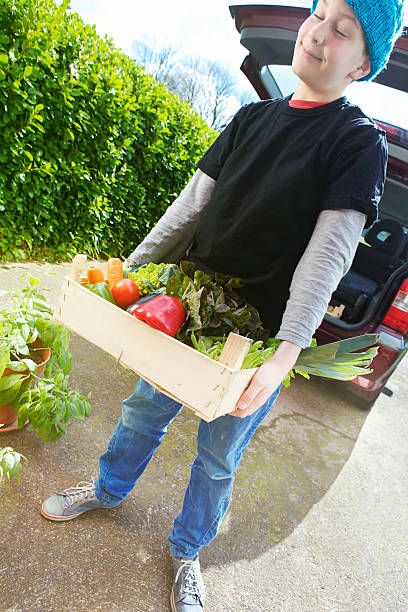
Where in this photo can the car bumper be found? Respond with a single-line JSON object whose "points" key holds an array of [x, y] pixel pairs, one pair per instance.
{"points": [[392, 347]]}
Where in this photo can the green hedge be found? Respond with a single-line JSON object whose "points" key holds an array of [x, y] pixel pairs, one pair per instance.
{"points": [[92, 149]]}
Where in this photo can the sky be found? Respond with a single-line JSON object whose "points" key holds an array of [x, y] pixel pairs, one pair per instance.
{"points": [[207, 29]]}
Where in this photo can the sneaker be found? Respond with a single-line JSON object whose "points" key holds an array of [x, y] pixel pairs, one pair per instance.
{"points": [[187, 594], [69, 504]]}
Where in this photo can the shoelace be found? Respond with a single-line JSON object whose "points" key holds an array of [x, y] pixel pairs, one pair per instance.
{"points": [[190, 580], [81, 491]]}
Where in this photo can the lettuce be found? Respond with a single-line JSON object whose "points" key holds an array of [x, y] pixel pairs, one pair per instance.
{"points": [[213, 307]]}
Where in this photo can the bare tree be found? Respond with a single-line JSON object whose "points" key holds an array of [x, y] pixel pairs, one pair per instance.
{"points": [[224, 93], [245, 96], [156, 60], [188, 79], [208, 87]]}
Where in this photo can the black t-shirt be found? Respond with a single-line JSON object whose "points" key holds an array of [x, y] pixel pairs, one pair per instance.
{"points": [[276, 168]]}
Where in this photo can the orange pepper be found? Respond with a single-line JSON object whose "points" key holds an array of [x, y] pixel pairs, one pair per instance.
{"points": [[115, 271], [95, 275]]}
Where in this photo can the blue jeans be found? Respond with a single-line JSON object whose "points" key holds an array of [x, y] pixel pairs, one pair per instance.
{"points": [[220, 446]]}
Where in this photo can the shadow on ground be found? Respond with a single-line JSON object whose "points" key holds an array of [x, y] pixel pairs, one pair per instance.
{"points": [[118, 559]]}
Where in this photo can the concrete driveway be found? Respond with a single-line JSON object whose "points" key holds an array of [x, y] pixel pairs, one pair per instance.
{"points": [[318, 519]]}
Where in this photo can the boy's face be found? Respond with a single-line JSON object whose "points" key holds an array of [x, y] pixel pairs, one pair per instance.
{"points": [[330, 50]]}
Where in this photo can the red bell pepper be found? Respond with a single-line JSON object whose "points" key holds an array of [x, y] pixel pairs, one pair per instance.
{"points": [[163, 312]]}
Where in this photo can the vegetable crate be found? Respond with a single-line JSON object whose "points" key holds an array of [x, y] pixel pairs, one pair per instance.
{"points": [[210, 388]]}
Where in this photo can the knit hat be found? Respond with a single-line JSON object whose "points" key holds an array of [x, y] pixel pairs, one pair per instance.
{"points": [[382, 22]]}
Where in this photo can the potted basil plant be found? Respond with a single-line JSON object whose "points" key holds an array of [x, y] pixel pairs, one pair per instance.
{"points": [[34, 367]]}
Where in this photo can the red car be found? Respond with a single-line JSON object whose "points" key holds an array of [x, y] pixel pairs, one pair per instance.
{"points": [[373, 296]]}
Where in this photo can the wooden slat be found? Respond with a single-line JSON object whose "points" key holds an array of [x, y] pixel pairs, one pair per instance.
{"points": [[235, 350], [238, 383], [78, 264]]}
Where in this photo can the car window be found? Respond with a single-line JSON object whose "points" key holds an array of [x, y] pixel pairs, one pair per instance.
{"points": [[283, 75], [380, 102], [377, 101]]}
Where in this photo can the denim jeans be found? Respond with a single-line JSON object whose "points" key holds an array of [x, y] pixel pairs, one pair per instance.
{"points": [[220, 446]]}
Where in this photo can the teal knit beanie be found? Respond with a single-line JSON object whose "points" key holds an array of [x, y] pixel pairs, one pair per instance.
{"points": [[382, 22]]}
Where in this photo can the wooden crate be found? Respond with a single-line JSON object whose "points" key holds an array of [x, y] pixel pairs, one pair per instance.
{"points": [[210, 388]]}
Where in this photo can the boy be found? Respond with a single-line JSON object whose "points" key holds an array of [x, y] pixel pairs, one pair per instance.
{"points": [[279, 200]]}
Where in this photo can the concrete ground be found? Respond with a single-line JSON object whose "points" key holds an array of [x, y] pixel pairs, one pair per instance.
{"points": [[318, 520]]}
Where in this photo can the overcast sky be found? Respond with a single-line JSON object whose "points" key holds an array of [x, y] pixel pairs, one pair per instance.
{"points": [[202, 27], [205, 28]]}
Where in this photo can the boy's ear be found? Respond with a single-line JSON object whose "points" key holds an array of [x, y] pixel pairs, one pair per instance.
{"points": [[361, 71]]}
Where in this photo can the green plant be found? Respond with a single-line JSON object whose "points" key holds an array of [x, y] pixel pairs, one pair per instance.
{"points": [[50, 405], [10, 464], [92, 149]]}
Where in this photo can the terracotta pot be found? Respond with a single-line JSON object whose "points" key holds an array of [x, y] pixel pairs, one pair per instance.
{"points": [[8, 416]]}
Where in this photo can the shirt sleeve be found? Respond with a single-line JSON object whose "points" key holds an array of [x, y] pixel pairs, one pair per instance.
{"points": [[214, 159], [326, 260], [357, 176]]}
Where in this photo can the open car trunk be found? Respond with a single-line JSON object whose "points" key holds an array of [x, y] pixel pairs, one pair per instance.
{"points": [[381, 261]]}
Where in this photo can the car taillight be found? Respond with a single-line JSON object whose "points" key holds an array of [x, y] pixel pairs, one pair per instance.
{"points": [[397, 315], [362, 381]]}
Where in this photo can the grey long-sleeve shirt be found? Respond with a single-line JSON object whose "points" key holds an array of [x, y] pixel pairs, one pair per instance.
{"points": [[325, 261]]}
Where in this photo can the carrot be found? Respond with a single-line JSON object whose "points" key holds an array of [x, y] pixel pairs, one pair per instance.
{"points": [[95, 275], [115, 271]]}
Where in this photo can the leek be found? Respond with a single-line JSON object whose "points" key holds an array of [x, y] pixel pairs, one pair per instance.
{"points": [[339, 360], [342, 360]]}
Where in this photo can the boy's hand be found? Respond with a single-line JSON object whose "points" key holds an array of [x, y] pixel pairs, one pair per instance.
{"points": [[267, 379]]}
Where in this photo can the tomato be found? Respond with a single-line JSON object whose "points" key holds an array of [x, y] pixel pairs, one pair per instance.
{"points": [[125, 292]]}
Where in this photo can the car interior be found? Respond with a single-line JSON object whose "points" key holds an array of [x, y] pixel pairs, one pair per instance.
{"points": [[382, 250]]}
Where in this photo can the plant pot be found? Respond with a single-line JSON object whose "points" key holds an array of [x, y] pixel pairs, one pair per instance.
{"points": [[8, 416]]}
